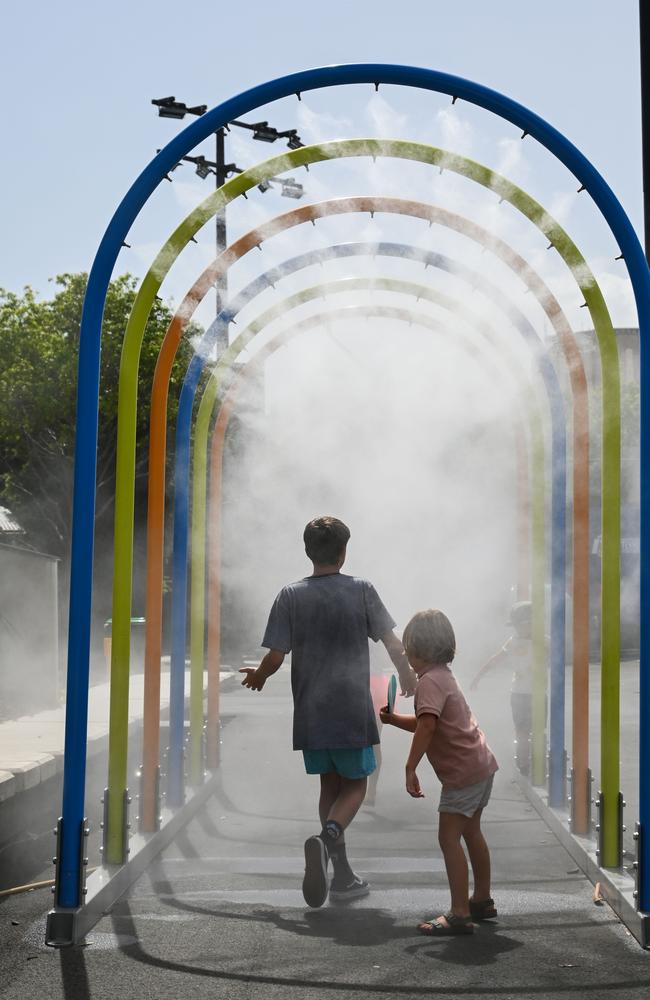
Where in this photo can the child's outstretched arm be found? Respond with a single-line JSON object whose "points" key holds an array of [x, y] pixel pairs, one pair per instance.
{"points": [[256, 679], [500, 657], [395, 650], [425, 728]]}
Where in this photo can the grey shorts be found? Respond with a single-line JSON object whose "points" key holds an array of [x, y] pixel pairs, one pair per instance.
{"points": [[466, 801]]}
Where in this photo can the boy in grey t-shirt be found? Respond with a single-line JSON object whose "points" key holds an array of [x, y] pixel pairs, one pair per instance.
{"points": [[325, 621]]}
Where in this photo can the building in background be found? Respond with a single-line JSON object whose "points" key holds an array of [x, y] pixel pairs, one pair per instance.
{"points": [[29, 625]]}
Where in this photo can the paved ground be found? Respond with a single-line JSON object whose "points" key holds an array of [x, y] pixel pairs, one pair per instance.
{"points": [[221, 913]]}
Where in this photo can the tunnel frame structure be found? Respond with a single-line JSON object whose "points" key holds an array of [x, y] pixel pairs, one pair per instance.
{"points": [[68, 893], [610, 796]]}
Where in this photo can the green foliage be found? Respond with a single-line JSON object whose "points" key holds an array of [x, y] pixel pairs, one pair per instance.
{"points": [[39, 343]]}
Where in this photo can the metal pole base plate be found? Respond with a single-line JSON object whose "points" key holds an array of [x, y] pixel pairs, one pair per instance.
{"points": [[60, 929]]}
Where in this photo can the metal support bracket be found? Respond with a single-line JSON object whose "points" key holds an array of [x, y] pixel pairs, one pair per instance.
{"points": [[56, 860], [59, 930], [140, 797], [104, 825], [163, 774], [621, 829], [636, 864], [598, 802], [156, 799], [83, 858], [126, 825], [558, 795], [572, 801], [156, 793]]}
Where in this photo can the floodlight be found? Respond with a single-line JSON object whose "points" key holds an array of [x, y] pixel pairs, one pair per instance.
{"points": [[265, 132], [202, 168], [169, 107], [291, 188]]}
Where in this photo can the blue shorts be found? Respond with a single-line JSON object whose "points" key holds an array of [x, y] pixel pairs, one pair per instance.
{"points": [[355, 762]]}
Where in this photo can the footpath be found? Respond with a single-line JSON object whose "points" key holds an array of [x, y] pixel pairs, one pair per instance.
{"points": [[31, 773], [31, 747], [220, 913]]}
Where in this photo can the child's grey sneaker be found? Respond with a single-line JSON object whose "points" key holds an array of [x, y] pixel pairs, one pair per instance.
{"points": [[353, 890], [314, 884]]}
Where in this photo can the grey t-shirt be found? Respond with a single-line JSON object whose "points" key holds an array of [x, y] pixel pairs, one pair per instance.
{"points": [[325, 622]]}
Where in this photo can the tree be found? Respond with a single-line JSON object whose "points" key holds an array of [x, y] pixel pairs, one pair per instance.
{"points": [[39, 346]]}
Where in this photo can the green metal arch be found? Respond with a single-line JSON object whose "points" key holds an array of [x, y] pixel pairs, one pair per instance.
{"points": [[128, 403]]}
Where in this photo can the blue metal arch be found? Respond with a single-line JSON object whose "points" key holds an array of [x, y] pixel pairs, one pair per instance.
{"points": [[68, 889]]}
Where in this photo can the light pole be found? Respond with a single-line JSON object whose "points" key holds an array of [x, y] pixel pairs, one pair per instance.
{"points": [[644, 37], [169, 107]]}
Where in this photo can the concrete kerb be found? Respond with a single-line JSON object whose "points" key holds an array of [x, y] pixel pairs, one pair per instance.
{"points": [[7, 785], [616, 887]]}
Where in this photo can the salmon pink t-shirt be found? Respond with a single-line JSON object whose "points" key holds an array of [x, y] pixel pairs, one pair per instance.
{"points": [[458, 751]]}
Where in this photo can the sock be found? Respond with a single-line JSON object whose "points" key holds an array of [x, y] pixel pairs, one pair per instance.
{"points": [[343, 874], [330, 834]]}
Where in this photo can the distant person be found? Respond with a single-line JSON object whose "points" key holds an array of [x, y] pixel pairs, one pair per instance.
{"points": [[325, 621], [378, 694], [446, 731], [517, 652], [380, 674]]}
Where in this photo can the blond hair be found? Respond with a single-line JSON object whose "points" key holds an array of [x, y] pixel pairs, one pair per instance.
{"points": [[430, 637]]}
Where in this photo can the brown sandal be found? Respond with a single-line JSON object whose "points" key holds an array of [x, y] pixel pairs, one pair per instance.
{"points": [[483, 910], [454, 925]]}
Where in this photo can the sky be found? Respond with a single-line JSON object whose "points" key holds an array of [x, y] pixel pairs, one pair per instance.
{"points": [[79, 78]]}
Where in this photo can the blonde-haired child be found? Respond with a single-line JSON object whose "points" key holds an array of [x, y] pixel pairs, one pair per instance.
{"points": [[446, 731]]}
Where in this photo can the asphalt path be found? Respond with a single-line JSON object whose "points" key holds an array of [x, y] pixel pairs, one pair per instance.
{"points": [[221, 915]]}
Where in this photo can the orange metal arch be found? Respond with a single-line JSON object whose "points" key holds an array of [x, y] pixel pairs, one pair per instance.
{"points": [[157, 457]]}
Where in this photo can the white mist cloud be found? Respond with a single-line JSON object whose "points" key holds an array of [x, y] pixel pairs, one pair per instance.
{"points": [[389, 427], [384, 119], [456, 133], [318, 126]]}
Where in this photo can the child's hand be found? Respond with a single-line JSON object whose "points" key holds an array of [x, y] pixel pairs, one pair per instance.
{"points": [[252, 679], [412, 784], [385, 716]]}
